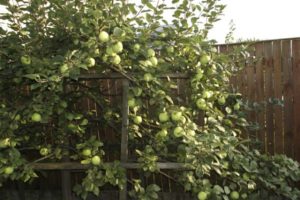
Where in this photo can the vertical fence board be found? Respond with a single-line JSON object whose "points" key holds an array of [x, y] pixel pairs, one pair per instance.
{"points": [[296, 106], [260, 93], [279, 137], [124, 136], [269, 93], [288, 97]]}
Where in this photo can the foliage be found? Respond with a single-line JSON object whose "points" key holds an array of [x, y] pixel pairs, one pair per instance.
{"points": [[49, 44]]}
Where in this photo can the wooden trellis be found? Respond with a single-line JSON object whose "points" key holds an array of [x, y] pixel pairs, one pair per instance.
{"points": [[66, 167]]}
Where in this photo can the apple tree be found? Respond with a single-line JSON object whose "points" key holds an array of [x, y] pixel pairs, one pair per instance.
{"points": [[46, 45]]}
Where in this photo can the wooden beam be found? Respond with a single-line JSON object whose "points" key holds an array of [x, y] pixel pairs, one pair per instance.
{"points": [[78, 166], [120, 76]]}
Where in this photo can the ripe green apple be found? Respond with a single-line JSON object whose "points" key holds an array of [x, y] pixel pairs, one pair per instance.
{"points": [[163, 117], [117, 47], [202, 195], [136, 47], [36, 117], [131, 103], [170, 49], [96, 160], [150, 53], [147, 63], [234, 195], [221, 100], [236, 106], [148, 77], [201, 104], [86, 152], [4, 143], [137, 119], [199, 74], [191, 133], [64, 68], [178, 131], [8, 170], [25, 60], [162, 133], [109, 51], [118, 32], [205, 59], [163, 35], [103, 36], [97, 52], [153, 60], [90, 62], [176, 116], [44, 151], [207, 94], [116, 60]]}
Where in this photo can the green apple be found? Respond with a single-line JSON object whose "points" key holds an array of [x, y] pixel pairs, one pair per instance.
{"points": [[202, 195], [137, 91], [153, 60], [137, 119], [64, 68], [176, 116], [163, 35], [205, 59], [109, 51], [5, 143], [236, 106], [136, 47], [201, 104], [170, 49], [86, 152], [221, 100], [131, 103], [36, 117], [199, 75], [117, 47], [8, 170], [244, 196], [163, 117], [97, 52], [207, 94], [103, 36], [116, 60], [90, 62], [147, 63], [150, 53], [148, 77], [191, 133], [178, 131], [162, 133], [234, 195], [183, 119], [25, 60], [246, 177], [118, 32], [96, 160], [44, 151]]}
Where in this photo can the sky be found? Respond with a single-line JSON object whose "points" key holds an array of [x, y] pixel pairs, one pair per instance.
{"points": [[257, 19]]}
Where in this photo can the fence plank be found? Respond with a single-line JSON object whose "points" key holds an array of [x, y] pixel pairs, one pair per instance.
{"points": [[260, 93], [288, 97], [124, 134], [296, 108], [269, 94], [279, 137]]}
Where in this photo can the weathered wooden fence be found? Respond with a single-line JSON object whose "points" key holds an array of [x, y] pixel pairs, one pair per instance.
{"points": [[276, 74]]}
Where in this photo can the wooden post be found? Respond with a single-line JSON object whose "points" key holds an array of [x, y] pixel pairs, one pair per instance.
{"points": [[124, 136]]}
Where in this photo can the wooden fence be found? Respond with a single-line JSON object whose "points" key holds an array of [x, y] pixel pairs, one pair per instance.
{"points": [[275, 74]]}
